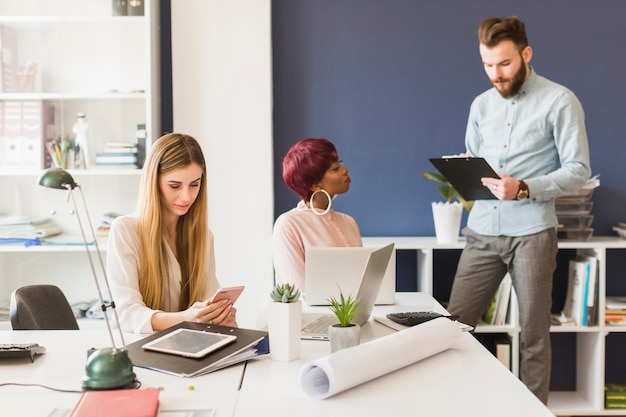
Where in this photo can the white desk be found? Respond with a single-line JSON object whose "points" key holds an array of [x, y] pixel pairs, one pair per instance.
{"points": [[464, 381], [63, 366]]}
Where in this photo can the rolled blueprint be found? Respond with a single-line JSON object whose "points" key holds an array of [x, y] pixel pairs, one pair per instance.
{"points": [[345, 368]]}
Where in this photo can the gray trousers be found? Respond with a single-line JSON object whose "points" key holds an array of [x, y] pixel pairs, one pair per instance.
{"points": [[531, 261]]}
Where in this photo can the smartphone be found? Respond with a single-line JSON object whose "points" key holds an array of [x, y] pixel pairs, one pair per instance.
{"points": [[227, 293]]}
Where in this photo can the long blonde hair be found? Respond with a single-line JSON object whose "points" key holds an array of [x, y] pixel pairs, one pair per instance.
{"points": [[169, 152]]}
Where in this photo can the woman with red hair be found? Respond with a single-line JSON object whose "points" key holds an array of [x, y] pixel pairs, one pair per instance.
{"points": [[312, 169]]}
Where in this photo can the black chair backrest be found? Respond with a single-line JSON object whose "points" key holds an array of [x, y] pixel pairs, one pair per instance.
{"points": [[41, 307]]}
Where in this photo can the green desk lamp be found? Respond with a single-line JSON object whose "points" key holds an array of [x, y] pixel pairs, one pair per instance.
{"points": [[107, 368]]}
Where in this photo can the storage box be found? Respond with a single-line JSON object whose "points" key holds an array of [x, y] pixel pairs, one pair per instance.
{"points": [[567, 207], [569, 221], [580, 235], [584, 194]]}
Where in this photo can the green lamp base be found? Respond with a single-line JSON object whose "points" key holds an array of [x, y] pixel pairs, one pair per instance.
{"points": [[108, 368]]}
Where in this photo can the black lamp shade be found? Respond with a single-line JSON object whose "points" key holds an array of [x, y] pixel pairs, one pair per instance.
{"points": [[57, 178]]}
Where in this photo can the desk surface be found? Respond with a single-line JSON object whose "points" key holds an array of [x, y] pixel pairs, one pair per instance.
{"points": [[465, 380]]}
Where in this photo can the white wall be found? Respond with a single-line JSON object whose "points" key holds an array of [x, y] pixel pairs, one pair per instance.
{"points": [[222, 95]]}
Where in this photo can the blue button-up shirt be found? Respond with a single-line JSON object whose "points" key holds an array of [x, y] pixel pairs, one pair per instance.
{"points": [[538, 136]]}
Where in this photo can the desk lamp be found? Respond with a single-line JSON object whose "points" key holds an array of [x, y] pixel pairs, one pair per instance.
{"points": [[110, 367]]}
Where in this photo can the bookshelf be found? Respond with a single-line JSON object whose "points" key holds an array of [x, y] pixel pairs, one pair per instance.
{"points": [[590, 356], [65, 57], [59, 58]]}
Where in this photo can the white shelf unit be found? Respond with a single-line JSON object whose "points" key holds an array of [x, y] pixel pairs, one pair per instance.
{"points": [[587, 399], [83, 59], [87, 60]]}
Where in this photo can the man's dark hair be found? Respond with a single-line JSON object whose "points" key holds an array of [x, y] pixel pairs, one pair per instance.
{"points": [[496, 29]]}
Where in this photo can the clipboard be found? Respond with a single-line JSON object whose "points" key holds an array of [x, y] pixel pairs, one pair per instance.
{"points": [[464, 174]]}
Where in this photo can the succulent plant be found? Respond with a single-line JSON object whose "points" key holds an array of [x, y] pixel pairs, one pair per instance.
{"points": [[285, 293], [345, 308]]}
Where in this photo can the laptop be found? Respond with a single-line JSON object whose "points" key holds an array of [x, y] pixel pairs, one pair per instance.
{"points": [[329, 268], [371, 281]]}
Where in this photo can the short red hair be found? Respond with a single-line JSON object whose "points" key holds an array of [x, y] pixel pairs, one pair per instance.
{"points": [[305, 164]]}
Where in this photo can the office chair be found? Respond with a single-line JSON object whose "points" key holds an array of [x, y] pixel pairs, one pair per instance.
{"points": [[41, 307]]}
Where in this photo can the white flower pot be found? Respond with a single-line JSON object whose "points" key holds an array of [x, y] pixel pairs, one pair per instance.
{"points": [[343, 337], [447, 217], [284, 321]]}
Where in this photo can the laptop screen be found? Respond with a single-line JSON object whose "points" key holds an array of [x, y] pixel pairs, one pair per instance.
{"points": [[329, 269]]}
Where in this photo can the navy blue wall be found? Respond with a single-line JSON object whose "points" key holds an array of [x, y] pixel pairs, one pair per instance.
{"points": [[390, 83]]}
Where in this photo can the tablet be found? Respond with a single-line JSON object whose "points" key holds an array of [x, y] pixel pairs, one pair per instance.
{"points": [[189, 343]]}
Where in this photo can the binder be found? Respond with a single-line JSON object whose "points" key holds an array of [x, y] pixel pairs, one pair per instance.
{"points": [[464, 174], [249, 344]]}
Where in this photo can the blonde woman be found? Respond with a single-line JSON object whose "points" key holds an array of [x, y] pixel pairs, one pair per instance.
{"points": [[160, 260]]}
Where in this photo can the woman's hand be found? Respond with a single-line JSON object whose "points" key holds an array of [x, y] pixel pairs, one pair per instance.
{"points": [[221, 312]]}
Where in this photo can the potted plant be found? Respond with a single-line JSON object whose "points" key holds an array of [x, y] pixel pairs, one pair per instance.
{"points": [[447, 214], [345, 334], [284, 322]]}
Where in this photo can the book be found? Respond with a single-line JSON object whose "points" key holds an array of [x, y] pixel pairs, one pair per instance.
{"points": [[33, 229], [116, 158], [120, 149], [126, 402], [616, 303], [502, 302], [575, 300], [503, 350], [249, 344], [497, 310], [592, 288]]}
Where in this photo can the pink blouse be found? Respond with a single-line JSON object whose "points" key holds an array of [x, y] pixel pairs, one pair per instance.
{"points": [[299, 229]]}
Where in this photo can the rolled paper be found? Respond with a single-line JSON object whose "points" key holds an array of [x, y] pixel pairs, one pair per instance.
{"points": [[346, 368]]}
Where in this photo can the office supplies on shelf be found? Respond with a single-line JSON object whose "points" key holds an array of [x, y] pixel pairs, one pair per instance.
{"points": [[347, 368], [464, 173], [247, 346]]}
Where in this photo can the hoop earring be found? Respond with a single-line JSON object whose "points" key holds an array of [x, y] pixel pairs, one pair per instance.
{"points": [[320, 213]]}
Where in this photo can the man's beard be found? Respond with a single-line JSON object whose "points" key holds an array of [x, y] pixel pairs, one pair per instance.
{"points": [[515, 83]]}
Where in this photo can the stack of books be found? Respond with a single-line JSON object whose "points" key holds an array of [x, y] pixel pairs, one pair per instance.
{"points": [[105, 226], [13, 228], [615, 396], [615, 313], [118, 155]]}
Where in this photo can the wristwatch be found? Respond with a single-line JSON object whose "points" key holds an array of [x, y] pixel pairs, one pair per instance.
{"points": [[522, 191]]}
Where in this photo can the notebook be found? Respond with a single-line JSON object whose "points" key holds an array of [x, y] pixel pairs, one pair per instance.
{"points": [[464, 173], [329, 268], [371, 281]]}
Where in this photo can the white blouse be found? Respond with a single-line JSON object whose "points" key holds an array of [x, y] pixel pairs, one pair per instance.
{"points": [[123, 274]]}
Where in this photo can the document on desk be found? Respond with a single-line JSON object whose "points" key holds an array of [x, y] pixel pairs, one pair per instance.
{"points": [[250, 344], [348, 368]]}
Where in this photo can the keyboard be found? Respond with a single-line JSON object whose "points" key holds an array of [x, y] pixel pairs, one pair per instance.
{"points": [[19, 350], [412, 318], [320, 324]]}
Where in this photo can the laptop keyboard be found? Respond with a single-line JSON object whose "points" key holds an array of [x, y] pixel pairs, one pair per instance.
{"points": [[320, 324]]}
